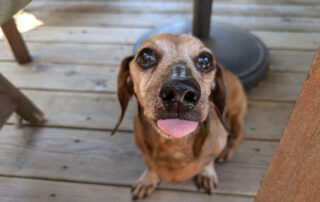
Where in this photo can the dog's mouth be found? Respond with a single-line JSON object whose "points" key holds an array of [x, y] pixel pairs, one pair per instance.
{"points": [[177, 124], [177, 128]]}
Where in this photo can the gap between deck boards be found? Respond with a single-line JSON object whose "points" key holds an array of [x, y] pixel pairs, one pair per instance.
{"points": [[269, 2], [282, 24], [101, 111], [50, 190], [104, 159], [125, 38], [175, 7], [101, 79]]}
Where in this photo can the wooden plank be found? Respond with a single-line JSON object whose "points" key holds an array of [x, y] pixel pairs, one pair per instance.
{"points": [[97, 78], [285, 24], [109, 35], [41, 75], [156, 19], [287, 40], [266, 120], [279, 86], [112, 54], [254, 152], [98, 35], [284, 40], [276, 2], [299, 2], [294, 171], [249, 152], [32, 190], [175, 7], [96, 157], [68, 53], [48, 76], [291, 61], [223, 8]]}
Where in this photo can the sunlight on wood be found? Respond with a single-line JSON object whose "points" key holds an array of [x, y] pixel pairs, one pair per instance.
{"points": [[25, 22]]}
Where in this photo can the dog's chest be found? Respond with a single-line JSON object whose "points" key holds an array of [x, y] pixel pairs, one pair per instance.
{"points": [[173, 155]]}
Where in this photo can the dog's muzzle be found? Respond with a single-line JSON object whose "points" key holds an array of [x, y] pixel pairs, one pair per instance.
{"points": [[180, 92]]}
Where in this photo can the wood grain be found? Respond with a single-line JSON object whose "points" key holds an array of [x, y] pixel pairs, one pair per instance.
{"points": [[96, 157], [291, 61], [278, 86], [48, 76], [95, 35], [286, 24], [294, 171], [272, 2], [74, 53], [122, 36], [31, 190], [91, 78], [287, 40], [265, 120], [106, 54], [175, 7]]}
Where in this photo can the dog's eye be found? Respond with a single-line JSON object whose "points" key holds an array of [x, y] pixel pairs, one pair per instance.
{"points": [[147, 58], [205, 62]]}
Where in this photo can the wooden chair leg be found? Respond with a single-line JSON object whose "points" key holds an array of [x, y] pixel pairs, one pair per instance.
{"points": [[15, 41], [294, 173], [7, 107], [14, 100]]}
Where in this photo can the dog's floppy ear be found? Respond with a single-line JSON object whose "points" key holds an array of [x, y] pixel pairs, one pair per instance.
{"points": [[218, 97], [124, 89], [218, 93]]}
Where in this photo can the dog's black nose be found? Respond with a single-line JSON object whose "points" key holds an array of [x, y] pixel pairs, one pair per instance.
{"points": [[180, 92]]}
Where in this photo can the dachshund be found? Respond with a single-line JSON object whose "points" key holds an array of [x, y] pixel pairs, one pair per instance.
{"points": [[190, 111]]}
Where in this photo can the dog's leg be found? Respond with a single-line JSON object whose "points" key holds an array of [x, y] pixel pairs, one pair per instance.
{"points": [[207, 179], [236, 122], [145, 185]]}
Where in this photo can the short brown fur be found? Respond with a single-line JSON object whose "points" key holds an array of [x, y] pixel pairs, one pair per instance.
{"points": [[222, 107]]}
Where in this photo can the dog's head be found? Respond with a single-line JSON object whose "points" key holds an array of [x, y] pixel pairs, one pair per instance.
{"points": [[174, 78]]}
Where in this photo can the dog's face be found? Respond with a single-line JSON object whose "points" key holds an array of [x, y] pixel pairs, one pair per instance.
{"points": [[173, 78]]}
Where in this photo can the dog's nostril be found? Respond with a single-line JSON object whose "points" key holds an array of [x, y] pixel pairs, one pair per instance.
{"points": [[191, 98], [167, 96]]}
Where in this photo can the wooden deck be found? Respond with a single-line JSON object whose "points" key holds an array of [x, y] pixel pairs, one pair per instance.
{"points": [[77, 51]]}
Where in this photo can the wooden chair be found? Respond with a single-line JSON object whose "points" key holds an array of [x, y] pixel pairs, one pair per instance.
{"points": [[11, 99], [294, 173]]}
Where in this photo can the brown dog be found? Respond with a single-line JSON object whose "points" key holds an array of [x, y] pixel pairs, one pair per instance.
{"points": [[190, 110]]}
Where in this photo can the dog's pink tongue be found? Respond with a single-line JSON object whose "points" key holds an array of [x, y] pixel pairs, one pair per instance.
{"points": [[176, 127]]}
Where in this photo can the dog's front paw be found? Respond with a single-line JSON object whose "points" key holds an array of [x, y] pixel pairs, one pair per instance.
{"points": [[145, 185], [207, 179], [207, 183]]}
